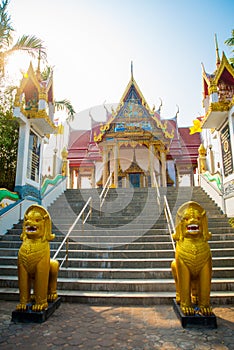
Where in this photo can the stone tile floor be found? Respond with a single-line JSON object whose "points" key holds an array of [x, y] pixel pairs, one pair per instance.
{"points": [[88, 327]]}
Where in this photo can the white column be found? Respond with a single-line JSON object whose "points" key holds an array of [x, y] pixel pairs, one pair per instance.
{"points": [[55, 162], [151, 163], [41, 160], [116, 163], [164, 174], [22, 157], [105, 166]]}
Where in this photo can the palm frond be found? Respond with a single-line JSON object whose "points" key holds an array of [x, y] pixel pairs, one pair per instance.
{"points": [[5, 26], [65, 104], [230, 41], [29, 43], [46, 72], [10, 89]]}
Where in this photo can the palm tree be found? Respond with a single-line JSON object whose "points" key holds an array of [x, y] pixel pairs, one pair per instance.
{"points": [[65, 104], [28, 43], [230, 42], [62, 104]]}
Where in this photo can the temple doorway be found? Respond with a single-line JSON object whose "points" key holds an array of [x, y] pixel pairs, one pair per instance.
{"points": [[134, 180]]}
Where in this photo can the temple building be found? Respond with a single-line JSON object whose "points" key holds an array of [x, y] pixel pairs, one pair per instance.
{"points": [[217, 133], [133, 147]]}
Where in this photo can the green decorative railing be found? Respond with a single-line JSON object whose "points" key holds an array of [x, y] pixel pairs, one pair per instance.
{"points": [[216, 178], [48, 182], [6, 194]]}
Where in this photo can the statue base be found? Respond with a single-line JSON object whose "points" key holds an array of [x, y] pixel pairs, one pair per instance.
{"points": [[195, 320], [30, 316]]}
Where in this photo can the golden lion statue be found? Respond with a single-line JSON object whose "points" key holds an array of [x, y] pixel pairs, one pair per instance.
{"points": [[192, 267], [35, 268]]}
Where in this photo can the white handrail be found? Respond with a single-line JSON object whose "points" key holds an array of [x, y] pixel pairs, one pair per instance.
{"points": [[104, 191], [71, 228], [170, 222], [157, 190]]}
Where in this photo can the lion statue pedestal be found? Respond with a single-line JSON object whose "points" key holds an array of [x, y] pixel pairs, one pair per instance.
{"points": [[192, 267], [35, 268]]}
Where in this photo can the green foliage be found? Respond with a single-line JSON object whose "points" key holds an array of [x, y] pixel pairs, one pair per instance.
{"points": [[9, 133], [65, 104], [29, 43], [230, 42]]}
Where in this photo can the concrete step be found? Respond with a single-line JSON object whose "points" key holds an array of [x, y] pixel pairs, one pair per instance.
{"points": [[119, 273], [93, 261], [120, 298], [143, 242], [123, 254], [121, 285]]}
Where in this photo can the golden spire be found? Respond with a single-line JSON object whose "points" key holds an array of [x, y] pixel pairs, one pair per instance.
{"points": [[38, 71], [217, 52], [132, 70]]}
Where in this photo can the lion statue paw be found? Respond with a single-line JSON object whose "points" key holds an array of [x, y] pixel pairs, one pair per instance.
{"points": [[22, 307], [187, 310], [206, 310], [39, 307]]}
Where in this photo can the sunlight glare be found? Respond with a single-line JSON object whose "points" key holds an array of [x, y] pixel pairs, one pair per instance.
{"points": [[16, 66]]}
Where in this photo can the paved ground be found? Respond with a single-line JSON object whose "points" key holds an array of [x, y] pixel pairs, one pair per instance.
{"points": [[79, 326]]}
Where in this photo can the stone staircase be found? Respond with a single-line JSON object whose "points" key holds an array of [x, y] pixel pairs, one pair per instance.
{"points": [[122, 254]]}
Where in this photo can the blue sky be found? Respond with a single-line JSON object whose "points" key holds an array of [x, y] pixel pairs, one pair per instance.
{"points": [[91, 44]]}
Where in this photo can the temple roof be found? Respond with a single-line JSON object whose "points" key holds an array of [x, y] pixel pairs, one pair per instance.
{"points": [[82, 150], [134, 119], [133, 114], [224, 73]]}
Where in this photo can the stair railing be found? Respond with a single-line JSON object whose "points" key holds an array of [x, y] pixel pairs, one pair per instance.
{"points": [[105, 191], [155, 184], [170, 222], [66, 238]]}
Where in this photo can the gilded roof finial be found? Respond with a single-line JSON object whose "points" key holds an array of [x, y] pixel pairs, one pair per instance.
{"points": [[178, 110], [132, 70], [38, 72], [217, 52], [160, 106]]}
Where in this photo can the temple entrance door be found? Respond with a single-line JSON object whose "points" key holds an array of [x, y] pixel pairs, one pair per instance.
{"points": [[134, 180]]}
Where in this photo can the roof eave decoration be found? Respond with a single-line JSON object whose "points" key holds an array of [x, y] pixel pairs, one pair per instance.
{"points": [[123, 98], [41, 119], [224, 64], [30, 75], [41, 86], [212, 81]]}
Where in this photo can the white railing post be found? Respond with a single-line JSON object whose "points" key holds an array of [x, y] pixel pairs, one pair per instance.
{"points": [[104, 191], [65, 240], [170, 222], [157, 190]]}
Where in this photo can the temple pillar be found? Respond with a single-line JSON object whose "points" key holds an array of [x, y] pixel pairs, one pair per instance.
{"points": [[116, 164], [23, 149], [212, 164], [201, 160], [163, 164], [105, 166], [93, 178], [73, 178], [55, 162], [151, 164]]}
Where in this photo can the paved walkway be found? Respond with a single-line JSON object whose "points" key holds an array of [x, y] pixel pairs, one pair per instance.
{"points": [[87, 327]]}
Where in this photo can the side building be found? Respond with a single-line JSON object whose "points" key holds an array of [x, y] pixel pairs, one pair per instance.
{"points": [[217, 133]]}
